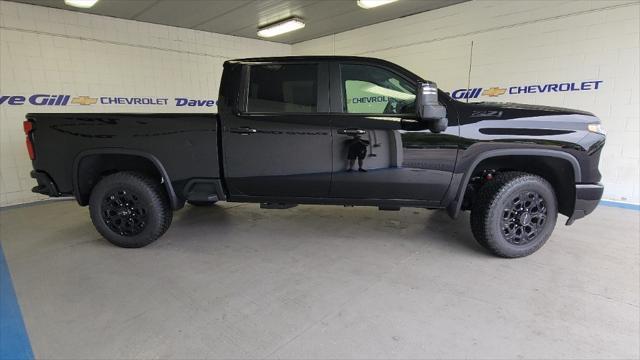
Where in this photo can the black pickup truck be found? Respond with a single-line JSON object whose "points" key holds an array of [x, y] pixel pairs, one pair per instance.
{"points": [[327, 130]]}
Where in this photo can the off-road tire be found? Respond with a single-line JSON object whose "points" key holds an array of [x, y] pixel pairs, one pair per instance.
{"points": [[493, 210], [129, 209]]}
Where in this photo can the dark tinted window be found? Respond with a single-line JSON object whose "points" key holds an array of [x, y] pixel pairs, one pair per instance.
{"points": [[283, 88]]}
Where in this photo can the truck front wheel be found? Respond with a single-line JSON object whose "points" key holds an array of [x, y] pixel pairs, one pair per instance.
{"points": [[129, 209], [514, 214]]}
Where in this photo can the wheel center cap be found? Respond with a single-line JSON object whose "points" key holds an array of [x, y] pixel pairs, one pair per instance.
{"points": [[525, 218], [124, 213]]}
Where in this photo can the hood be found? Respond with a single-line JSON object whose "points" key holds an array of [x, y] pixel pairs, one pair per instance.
{"points": [[521, 119], [506, 111], [545, 110]]}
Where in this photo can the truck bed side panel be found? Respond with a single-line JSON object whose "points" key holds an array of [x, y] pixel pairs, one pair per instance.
{"points": [[185, 144]]}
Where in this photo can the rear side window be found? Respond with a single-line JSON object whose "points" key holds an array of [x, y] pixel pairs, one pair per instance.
{"points": [[283, 88]]}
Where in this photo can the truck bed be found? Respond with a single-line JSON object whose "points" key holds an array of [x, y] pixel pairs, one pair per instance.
{"points": [[66, 141]]}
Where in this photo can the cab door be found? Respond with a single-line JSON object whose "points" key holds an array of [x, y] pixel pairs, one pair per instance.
{"points": [[279, 144], [380, 149]]}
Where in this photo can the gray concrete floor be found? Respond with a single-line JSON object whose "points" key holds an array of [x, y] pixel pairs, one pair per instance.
{"points": [[234, 281]]}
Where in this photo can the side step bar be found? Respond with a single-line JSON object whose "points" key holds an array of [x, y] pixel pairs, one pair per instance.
{"points": [[389, 208], [202, 197], [279, 206], [204, 190]]}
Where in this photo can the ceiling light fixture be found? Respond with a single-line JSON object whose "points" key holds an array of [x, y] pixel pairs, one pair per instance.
{"points": [[369, 4], [281, 27], [85, 4]]}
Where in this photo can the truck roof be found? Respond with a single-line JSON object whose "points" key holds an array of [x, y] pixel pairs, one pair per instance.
{"points": [[320, 58], [308, 58]]}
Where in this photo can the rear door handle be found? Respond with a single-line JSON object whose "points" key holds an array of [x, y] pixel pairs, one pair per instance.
{"points": [[245, 130], [351, 132]]}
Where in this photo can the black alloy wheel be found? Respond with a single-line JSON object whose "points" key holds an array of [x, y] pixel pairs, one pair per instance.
{"points": [[124, 212], [524, 219]]}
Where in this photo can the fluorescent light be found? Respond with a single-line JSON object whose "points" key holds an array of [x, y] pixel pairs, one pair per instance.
{"points": [[368, 4], [85, 4], [281, 27]]}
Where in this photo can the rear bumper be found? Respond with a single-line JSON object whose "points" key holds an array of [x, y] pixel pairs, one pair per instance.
{"points": [[587, 198], [46, 186]]}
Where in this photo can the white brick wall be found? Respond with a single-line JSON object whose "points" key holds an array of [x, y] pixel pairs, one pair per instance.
{"points": [[525, 42], [515, 43], [45, 50]]}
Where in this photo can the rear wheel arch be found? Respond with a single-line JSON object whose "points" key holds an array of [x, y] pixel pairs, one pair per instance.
{"points": [[92, 165], [560, 169]]}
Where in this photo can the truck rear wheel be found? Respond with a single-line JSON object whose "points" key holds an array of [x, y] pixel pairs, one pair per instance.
{"points": [[129, 209], [514, 214]]}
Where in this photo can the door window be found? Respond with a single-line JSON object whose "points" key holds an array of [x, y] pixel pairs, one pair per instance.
{"points": [[283, 88], [373, 90]]}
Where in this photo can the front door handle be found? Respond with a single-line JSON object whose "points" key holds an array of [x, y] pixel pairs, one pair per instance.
{"points": [[351, 132], [245, 130]]}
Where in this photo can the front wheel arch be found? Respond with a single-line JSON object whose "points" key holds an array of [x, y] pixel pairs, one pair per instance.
{"points": [[559, 168]]}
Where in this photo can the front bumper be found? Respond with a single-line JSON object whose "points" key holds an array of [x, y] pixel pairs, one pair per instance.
{"points": [[587, 198], [46, 186]]}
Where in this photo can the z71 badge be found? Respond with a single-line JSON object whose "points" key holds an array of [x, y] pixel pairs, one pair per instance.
{"points": [[486, 113]]}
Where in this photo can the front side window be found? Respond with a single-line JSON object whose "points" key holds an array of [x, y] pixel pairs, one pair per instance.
{"points": [[373, 90], [283, 88]]}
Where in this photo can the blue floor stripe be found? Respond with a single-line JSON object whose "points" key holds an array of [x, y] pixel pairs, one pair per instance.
{"points": [[620, 204], [14, 341]]}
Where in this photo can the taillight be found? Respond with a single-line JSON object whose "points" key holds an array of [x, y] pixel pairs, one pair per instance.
{"points": [[28, 128]]}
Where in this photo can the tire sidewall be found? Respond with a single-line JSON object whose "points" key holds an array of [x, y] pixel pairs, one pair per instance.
{"points": [[145, 194], [503, 199]]}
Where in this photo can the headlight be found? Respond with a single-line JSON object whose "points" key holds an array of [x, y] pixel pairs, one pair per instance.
{"points": [[597, 128]]}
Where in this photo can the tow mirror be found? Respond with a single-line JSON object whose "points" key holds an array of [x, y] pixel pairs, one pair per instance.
{"points": [[429, 109]]}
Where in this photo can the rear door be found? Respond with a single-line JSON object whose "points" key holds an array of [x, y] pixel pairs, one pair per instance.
{"points": [[279, 144], [381, 150]]}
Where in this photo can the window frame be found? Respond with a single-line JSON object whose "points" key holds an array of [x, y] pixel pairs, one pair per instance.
{"points": [[322, 87], [338, 92]]}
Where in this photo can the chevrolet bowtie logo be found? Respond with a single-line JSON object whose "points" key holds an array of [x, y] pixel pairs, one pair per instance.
{"points": [[84, 100], [494, 91]]}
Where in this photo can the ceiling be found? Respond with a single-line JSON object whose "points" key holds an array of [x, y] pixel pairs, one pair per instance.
{"points": [[243, 17]]}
